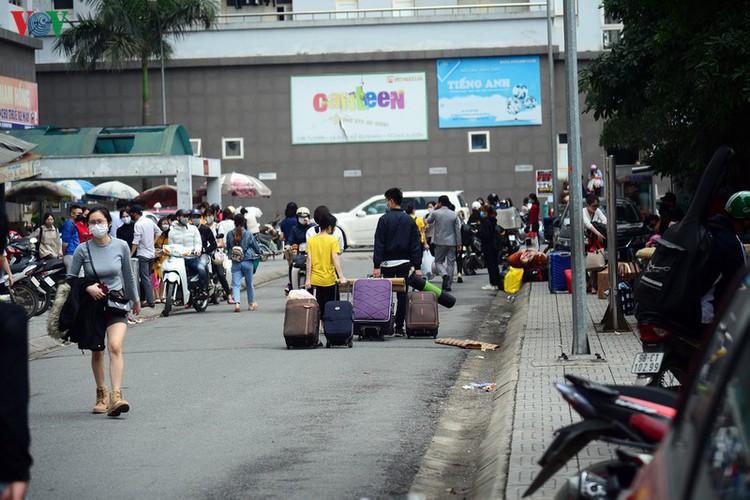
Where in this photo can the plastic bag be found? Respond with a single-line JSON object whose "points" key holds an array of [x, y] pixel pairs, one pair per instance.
{"points": [[427, 261], [513, 280], [299, 294]]}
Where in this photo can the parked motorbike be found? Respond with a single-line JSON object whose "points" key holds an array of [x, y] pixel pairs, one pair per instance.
{"points": [[48, 275], [666, 357], [181, 288], [632, 416], [473, 259], [23, 292]]}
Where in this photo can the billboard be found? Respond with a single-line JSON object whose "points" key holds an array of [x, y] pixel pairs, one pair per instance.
{"points": [[377, 107], [489, 92], [19, 104]]}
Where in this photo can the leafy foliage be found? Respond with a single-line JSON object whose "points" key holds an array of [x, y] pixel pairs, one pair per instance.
{"points": [[677, 85], [122, 31]]}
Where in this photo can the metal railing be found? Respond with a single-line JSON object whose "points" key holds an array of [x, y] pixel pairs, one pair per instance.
{"points": [[381, 13]]}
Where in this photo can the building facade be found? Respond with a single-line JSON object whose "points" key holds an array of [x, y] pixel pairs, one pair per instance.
{"points": [[291, 92]]}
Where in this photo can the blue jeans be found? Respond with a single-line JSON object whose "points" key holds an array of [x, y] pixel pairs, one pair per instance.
{"points": [[240, 269], [197, 266]]}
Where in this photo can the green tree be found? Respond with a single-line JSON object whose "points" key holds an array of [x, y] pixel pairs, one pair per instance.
{"points": [[677, 85], [121, 31]]}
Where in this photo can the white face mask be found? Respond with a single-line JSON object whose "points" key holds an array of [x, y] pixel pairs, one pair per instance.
{"points": [[209, 220], [99, 230], [126, 220], [165, 227], [302, 220]]}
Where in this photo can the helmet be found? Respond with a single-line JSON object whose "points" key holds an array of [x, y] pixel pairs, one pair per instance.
{"points": [[492, 198], [738, 205], [593, 166], [303, 212], [476, 205], [195, 212]]}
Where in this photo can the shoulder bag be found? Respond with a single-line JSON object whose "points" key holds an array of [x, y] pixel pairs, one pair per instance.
{"points": [[117, 302]]}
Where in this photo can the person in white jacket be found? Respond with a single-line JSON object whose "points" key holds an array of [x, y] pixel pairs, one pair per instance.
{"points": [[187, 235]]}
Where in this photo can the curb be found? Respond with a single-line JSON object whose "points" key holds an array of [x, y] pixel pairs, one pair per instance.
{"points": [[494, 452], [44, 344]]}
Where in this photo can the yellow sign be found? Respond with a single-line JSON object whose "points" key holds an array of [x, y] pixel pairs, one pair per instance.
{"points": [[19, 171]]}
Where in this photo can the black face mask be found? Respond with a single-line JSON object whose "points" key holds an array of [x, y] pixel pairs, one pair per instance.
{"points": [[80, 218]]}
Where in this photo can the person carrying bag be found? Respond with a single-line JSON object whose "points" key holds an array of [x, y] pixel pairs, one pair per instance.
{"points": [[244, 253]]}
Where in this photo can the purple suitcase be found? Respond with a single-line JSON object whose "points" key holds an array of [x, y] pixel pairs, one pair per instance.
{"points": [[373, 308]]}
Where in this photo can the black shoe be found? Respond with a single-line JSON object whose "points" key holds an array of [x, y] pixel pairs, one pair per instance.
{"points": [[399, 332], [446, 281], [459, 280], [448, 289]]}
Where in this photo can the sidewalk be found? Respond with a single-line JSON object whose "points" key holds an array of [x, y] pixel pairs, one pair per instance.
{"points": [[528, 409]]}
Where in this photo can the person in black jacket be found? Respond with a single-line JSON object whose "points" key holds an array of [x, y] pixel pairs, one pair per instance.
{"points": [[397, 249], [488, 237], [15, 459]]}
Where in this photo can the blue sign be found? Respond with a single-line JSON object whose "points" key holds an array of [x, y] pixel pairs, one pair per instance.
{"points": [[489, 92]]}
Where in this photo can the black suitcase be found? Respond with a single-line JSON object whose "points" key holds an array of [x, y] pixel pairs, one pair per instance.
{"points": [[338, 323]]}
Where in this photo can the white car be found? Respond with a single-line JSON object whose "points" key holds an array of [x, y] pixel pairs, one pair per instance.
{"points": [[359, 223]]}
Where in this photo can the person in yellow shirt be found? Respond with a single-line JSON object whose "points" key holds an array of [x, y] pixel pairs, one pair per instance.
{"points": [[323, 265], [420, 224]]}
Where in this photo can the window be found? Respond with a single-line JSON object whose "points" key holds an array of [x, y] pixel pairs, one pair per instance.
{"points": [[62, 4], [562, 138], [196, 145], [403, 4], [479, 142], [232, 148], [346, 5], [376, 207], [611, 31]]}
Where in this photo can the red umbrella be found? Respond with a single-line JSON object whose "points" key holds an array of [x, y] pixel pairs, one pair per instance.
{"points": [[165, 194]]}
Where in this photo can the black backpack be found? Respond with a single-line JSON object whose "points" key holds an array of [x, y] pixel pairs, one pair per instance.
{"points": [[669, 290]]}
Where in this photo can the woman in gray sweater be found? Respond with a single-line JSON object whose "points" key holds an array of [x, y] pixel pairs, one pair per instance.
{"points": [[111, 266]]}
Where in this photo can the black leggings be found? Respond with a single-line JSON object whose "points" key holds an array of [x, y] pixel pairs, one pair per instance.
{"points": [[324, 294], [490, 260]]}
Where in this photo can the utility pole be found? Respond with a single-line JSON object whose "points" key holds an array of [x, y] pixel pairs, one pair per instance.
{"points": [[552, 118], [578, 267]]}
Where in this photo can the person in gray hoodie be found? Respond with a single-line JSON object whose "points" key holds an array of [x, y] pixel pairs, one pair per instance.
{"points": [[447, 239]]}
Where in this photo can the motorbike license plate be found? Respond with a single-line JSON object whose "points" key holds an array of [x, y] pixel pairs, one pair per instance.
{"points": [[511, 237], [49, 281], [647, 362]]}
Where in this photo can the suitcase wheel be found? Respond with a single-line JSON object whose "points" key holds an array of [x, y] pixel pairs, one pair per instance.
{"points": [[408, 333]]}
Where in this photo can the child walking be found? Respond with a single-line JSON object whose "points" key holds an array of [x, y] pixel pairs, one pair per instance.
{"points": [[323, 265]]}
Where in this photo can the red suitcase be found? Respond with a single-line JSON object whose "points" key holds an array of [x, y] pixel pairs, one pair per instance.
{"points": [[422, 314]]}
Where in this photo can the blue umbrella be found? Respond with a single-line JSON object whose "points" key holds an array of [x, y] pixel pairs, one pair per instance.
{"points": [[78, 187]]}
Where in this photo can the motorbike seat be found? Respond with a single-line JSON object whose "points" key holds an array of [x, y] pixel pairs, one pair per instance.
{"points": [[590, 385]]}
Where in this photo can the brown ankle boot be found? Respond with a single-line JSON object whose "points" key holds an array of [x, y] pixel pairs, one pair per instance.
{"points": [[102, 395], [117, 405]]}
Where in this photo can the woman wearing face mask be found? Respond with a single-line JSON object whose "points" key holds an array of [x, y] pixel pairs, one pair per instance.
{"points": [[488, 236], [159, 242], [106, 259], [82, 226], [49, 245], [429, 228], [126, 232]]}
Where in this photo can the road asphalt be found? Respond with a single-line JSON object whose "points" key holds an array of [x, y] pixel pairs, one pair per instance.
{"points": [[518, 416]]}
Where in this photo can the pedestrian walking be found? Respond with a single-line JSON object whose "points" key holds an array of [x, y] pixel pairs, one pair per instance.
{"points": [[107, 261], [49, 244], [419, 221], [69, 235], [82, 225], [126, 230], [488, 237], [429, 228], [397, 250], [120, 205], [323, 264], [145, 232], [244, 249], [534, 219], [447, 239]]}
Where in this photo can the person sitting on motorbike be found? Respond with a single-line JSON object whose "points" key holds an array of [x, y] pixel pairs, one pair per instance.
{"points": [[187, 235], [208, 238], [213, 226], [298, 236], [727, 254]]}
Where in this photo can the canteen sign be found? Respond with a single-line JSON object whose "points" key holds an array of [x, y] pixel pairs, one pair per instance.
{"points": [[19, 104], [489, 92], [38, 23], [359, 108]]}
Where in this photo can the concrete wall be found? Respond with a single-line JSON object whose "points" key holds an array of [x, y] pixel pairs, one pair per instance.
{"points": [[253, 101], [17, 56]]}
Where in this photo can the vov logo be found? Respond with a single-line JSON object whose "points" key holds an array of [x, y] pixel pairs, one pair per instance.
{"points": [[39, 23]]}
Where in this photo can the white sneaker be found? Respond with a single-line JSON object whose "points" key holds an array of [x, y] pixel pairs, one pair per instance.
{"points": [[489, 287]]}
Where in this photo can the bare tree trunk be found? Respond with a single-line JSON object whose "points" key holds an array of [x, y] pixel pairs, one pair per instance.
{"points": [[146, 108]]}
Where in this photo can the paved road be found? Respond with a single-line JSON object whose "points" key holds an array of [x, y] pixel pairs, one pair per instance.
{"points": [[222, 410]]}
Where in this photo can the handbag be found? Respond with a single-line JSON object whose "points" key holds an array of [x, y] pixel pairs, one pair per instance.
{"points": [[595, 260], [117, 302]]}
